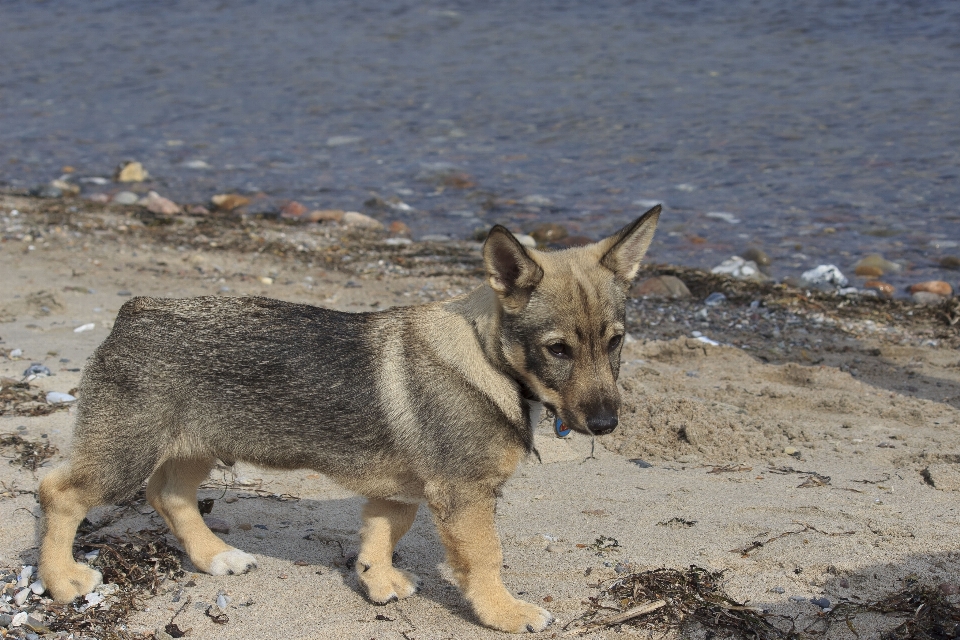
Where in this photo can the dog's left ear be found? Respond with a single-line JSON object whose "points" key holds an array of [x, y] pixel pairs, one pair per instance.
{"points": [[623, 251]]}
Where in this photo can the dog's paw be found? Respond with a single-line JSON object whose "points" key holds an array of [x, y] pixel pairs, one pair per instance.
{"points": [[517, 617], [74, 581], [386, 583], [230, 562]]}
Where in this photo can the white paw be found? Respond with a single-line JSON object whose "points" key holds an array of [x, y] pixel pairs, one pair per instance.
{"points": [[230, 562], [541, 623]]}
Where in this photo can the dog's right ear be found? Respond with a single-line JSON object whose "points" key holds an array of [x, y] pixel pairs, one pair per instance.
{"points": [[511, 271]]}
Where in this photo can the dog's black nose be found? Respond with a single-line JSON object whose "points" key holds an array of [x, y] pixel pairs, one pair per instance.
{"points": [[602, 425]]}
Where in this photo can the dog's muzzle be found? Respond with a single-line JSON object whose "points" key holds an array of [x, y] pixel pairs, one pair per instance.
{"points": [[602, 425]]}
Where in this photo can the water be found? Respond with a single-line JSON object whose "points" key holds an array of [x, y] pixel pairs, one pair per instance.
{"points": [[825, 129]]}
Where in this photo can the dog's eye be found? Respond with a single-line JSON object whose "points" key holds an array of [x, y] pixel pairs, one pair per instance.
{"points": [[615, 342], [559, 349]]}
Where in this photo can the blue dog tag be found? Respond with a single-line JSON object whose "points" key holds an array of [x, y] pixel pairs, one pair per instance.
{"points": [[561, 431]]}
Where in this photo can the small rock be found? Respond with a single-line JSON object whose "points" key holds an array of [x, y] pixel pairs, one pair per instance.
{"points": [[754, 254], [723, 215], [229, 201], [37, 587], [661, 287], [325, 215], [19, 619], [777, 590], [740, 269], [23, 579], [21, 597], [926, 298], [196, 164], [825, 274], [93, 599], [155, 203], [715, 299], [36, 369], [823, 603], [844, 583], [438, 237], [536, 201], [46, 191], [15, 353], [357, 219], [549, 232], [938, 287], [398, 229], [339, 141], [950, 262], [67, 188], [198, 210], [216, 524], [397, 241], [265, 279], [554, 548], [131, 171], [868, 271], [525, 240], [885, 289], [245, 526], [85, 327], [222, 601], [57, 397], [791, 451], [643, 464], [125, 197], [99, 198], [5, 620], [292, 210]]}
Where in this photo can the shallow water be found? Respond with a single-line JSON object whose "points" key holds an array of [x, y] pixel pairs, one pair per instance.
{"points": [[826, 131]]}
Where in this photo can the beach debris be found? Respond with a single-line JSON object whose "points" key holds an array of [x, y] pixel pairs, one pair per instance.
{"points": [[46, 191], [361, 220], [723, 215], [536, 200], [339, 141], [526, 240], [549, 232], [875, 265], [730, 468], [130, 171], [155, 203], [643, 464], [757, 255], [704, 339], [715, 299], [602, 546], [85, 327], [27, 454], [399, 229], [758, 544], [661, 287], [741, 269], [293, 210], [942, 476], [677, 523], [883, 288], [195, 164], [229, 201], [927, 298], [36, 369], [825, 275], [324, 215], [55, 397], [665, 600]]}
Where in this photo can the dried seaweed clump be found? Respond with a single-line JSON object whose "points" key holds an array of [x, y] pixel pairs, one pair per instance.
{"points": [[689, 597], [27, 454], [19, 399], [929, 613], [138, 563]]}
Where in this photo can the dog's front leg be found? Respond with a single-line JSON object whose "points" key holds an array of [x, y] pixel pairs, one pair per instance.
{"points": [[467, 530], [384, 523]]}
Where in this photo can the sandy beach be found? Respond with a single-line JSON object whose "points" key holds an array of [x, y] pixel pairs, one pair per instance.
{"points": [[814, 453]]}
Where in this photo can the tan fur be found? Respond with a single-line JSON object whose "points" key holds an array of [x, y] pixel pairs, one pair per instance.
{"points": [[384, 523]]}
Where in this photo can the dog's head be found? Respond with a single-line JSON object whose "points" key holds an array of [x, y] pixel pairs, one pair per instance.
{"points": [[562, 325]]}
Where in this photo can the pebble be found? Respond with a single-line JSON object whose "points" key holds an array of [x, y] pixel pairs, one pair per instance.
{"points": [[554, 548], [875, 265], [398, 228], [397, 241], [357, 219], [217, 525], [437, 237], [823, 603], [661, 287], [265, 279], [67, 188], [245, 526], [844, 583], [885, 289], [325, 215], [791, 451], [777, 590], [131, 171], [5, 620], [825, 274], [155, 203], [938, 287], [797, 599], [36, 369], [57, 397], [549, 232], [339, 141], [222, 601], [950, 262], [16, 353], [740, 269], [23, 579], [525, 240], [715, 299], [643, 464], [37, 587], [292, 210], [229, 201], [93, 599], [757, 255], [926, 298], [126, 197], [19, 619], [99, 198], [21, 597], [196, 164], [536, 201], [85, 327], [46, 191]]}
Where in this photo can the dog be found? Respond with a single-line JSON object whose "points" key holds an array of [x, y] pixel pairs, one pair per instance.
{"points": [[432, 403]]}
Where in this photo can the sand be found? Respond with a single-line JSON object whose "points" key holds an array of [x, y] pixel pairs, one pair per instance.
{"points": [[857, 454]]}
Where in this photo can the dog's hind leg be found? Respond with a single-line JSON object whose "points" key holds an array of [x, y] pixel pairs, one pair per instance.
{"points": [[172, 491], [65, 498], [384, 523], [465, 522]]}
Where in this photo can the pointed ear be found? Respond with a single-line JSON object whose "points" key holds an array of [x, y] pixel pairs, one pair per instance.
{"points": [[511, 271], [624, 250]]}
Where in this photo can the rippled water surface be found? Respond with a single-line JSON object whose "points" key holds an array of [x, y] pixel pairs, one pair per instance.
{"points": [[825, 129]]}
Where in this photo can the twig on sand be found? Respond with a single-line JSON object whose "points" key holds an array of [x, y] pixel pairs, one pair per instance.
{"points": [[619, 618]]}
